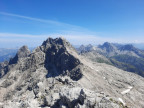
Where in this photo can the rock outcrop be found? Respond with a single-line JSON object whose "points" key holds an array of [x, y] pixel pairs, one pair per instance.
{"points": [[55, 76], [59, 58], [22, 53]]}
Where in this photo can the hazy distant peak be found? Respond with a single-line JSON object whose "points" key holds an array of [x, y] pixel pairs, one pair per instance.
{"points": [[128, 47], [109, 47], [86, 48], [107, 44], [89, 45]]}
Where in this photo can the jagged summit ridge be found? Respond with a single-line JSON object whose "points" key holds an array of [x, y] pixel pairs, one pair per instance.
{"points": [[108, 47], [86, 48], [58, 41]]}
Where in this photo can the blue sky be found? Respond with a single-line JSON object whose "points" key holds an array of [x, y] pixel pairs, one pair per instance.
{"points": [[80, 21]]}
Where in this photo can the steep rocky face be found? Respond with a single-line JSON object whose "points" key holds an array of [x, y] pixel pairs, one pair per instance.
{"points": [[3, 68], [57, 54], [22, 53], [55, 76], [59, 59]]}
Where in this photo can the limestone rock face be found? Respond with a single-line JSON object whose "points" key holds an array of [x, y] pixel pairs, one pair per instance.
{"points": [[59, 59], [82, 98], [55, 76], [22, 53]]}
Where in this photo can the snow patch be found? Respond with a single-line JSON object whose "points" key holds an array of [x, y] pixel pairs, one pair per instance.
{"points": [[120, 99], [1, 103], [40, 84], [127, 90]]}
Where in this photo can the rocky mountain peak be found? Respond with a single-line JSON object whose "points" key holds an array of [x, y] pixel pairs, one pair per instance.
{"points": [[128, 47], [86, 48], [56, 42], [108, 47], [60, 58], [89, 45], [22, 52], [82, 47], [107, 44]]}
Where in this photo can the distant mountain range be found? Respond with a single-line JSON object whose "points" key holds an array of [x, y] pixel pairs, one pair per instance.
{"points": [[6, 54], [126, 57], [139, 45]]}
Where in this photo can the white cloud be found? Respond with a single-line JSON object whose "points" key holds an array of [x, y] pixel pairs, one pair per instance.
{"points": [[57, 23], [31, 18], [19, 35], [75, 39]]}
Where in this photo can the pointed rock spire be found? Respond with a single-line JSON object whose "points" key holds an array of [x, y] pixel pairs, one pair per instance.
{"points": [[22, 52]]}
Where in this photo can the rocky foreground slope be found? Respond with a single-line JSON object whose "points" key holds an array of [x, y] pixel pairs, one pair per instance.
{"points": [[55, 76]]}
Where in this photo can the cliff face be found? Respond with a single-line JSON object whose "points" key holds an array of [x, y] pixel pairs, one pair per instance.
{"points": [[59, 59], [54, 75]]}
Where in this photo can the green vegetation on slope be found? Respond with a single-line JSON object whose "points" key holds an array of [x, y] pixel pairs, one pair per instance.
{"points": [[129, 63]]}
